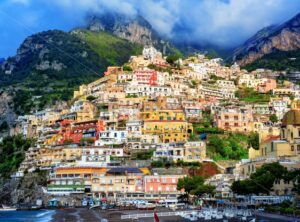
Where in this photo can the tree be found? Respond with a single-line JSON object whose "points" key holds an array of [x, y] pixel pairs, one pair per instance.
{"points": [[262, 181], [4, 126], [91, 98], [273, 118], [127, 68], [171, 59], [253, 140], [12, 149], [195, 185]]}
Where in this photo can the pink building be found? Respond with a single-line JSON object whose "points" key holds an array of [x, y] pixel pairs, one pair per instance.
{"points": [[267, 86], [162, 184], [235, 119]]}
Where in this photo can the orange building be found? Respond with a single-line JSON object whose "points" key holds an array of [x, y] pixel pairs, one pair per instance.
{"points": [[79, 130], [163, 184]]}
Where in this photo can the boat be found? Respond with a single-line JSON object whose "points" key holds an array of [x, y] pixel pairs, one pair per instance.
{"points": [[146, 206], [7, 208], [219, 216]]}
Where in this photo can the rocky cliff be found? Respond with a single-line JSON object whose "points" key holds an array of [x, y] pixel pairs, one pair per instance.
{"points": [[284, 37], [135, 29], [7, 114]]}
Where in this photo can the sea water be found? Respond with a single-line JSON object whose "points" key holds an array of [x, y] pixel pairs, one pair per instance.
{"points": [[26, 216]]}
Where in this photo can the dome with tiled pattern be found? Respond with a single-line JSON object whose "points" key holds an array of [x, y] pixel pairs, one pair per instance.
{"points": [[292, 117]]}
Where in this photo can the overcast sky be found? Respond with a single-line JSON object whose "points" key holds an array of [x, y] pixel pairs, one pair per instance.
{"points": [[223, 22]]}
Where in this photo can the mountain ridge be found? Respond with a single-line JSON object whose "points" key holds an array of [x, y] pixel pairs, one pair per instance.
{"points": [[283, 37], [135, 29]]}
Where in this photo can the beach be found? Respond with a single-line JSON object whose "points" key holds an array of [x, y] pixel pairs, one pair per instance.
{"points": [[75, 214]]}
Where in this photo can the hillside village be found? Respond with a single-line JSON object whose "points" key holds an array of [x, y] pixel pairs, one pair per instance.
{"points": [[136, 131]]}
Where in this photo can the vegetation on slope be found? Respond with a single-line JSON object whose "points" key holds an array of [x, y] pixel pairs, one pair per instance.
{"points": [[229, 147], [279, 60], [115, 50], [12, 151], [251, 96], [81, 60]]}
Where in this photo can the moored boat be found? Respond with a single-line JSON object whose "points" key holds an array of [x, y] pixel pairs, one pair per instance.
{"points": [[7, 208], [146, 206]]}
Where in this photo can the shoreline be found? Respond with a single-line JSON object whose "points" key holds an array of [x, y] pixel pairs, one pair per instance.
{"points": [[87, 215]]}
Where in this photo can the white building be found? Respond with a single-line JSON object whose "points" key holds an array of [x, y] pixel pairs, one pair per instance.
{"points": [[172, 152], [147, 90], [151, 53], [112, 137]]}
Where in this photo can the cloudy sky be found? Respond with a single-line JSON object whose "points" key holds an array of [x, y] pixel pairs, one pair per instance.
{"points": [[223, 22]]}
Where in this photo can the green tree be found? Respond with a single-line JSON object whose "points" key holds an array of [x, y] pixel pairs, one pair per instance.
{"points": [[273, 118], [253, 140], [262, 181], [12, 149], [4, 126], [194, 185], [127, 68], [91, 98], [171, 59]]}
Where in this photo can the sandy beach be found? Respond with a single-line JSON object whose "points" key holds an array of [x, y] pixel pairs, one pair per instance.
{"points": [[75, 214]]}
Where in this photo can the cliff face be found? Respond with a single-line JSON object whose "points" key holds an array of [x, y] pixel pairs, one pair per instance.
{"points": [[133, 29], [285, 37], [7, 113]]}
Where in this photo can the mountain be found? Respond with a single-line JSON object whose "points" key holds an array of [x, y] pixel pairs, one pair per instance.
{"points": [[277, 60], [49, 65], [1, 61], [135, 29], [272, 39]]}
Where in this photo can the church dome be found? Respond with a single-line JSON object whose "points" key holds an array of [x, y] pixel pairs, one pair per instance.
{"points": [[292, 117]]}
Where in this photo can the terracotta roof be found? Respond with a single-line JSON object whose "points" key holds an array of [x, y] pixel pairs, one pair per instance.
{"points": [[292, 117], [270, 138]]}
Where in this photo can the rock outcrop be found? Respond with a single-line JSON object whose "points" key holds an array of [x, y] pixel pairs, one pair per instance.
{"points": [[134, 29], [285, 37]]}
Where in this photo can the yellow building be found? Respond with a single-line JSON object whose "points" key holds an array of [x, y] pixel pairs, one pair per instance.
{"points": [[169, 125], [295, 104], [287, 145], [194, 151], [78, 179], [49, 156]]}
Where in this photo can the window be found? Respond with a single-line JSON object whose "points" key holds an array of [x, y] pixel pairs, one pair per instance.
{"points": [[292, 148]]}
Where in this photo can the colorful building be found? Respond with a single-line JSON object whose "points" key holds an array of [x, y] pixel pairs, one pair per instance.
{"points": [[169, 125]]}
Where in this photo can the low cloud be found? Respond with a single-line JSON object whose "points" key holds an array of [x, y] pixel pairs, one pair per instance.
{"points": [[225, 23]]}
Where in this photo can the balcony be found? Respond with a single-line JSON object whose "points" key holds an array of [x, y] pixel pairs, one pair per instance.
{"points": [[65, 186]]}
